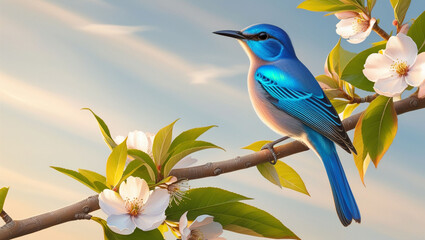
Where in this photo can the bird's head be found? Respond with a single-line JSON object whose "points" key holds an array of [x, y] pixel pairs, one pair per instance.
{"points": [[264, 41]]}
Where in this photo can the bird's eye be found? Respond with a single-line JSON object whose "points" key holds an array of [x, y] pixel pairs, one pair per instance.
{"points": [[263, 36]]}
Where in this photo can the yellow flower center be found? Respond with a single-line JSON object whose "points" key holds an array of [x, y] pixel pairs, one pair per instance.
{"points": [[195, 234], [178, 190], [400, 67], [360, 25], [133, 206]]}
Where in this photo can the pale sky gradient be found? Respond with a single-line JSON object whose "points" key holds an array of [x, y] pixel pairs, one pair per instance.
{"points": [[143, 64]]}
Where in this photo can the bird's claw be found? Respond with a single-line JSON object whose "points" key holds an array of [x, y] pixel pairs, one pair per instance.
{"points": [[271, 149]]}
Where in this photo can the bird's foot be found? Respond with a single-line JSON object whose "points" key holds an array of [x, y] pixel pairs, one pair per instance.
{"points": [[269, 146]]}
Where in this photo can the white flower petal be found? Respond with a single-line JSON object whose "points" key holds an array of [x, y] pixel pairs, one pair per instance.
{"points": [[377, 66], [346, 14], [201, 220], [345, 27], [416, 74], [134, 188], [361, 36], [141, 141], [121, 224], [111, 202], [157, 203], [402, 48], [391, 86], [150, 137], [185, 162], [119, 139], [130, 140], [421, 93], [404, 28], [211, 230], [149, 222], [185, 234], [183, 223], [358, 38]]}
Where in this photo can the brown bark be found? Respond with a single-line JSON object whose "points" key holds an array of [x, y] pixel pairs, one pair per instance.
{"points": [[381, 32]]}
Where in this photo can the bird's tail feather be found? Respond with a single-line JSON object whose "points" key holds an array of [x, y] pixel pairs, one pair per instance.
{"points": [[345, 203]]}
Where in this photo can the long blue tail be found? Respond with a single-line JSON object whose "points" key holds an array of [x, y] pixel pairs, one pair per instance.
{"points": [[345, 203]]}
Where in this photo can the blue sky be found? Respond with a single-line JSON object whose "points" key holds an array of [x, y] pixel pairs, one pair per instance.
{"points": [[143, 64]]}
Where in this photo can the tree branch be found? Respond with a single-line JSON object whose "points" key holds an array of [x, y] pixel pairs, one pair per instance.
{"points": [[81, 209], [6, 218], [381, 32], [369, 99], [72, 212]]}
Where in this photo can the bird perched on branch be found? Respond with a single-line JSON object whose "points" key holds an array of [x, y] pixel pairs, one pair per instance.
{"points": [[289, 100]]}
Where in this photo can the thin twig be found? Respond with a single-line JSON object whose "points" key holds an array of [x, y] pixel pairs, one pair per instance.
{"points": [[369, 99], [6, 218], [381, 32], [81, 209]]}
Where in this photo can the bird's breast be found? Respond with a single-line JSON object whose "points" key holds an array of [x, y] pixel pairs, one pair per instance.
{"points": [[273, 117]]}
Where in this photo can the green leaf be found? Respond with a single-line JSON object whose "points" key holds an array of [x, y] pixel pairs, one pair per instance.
{"points": [[361, 159], [338, 59], [245, 219], [184, 149], [279, 174], [136, 235], [357, 3], [145, 158], [334, 93], [383, 42], [417, 33], [104, 129], [326, 6], [3, 194], [233, 215], [289, 178], [197, 199], [162, 143], [116, 164], [400, 9], [93, 178], [379, 127], [353, 72], [189, 135], [269, 172], [349, 110], [137, 168], [330, 82], [370, 4], [256, 146], [339, 105], [77, 176]]}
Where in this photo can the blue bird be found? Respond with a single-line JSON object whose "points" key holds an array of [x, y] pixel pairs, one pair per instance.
{"points": [[289, 100]]}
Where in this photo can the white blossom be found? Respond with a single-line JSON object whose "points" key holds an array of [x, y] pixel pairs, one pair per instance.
{"points": [[354, 26], [396, 67], [138, 140], [134, 206], [203, 228]]}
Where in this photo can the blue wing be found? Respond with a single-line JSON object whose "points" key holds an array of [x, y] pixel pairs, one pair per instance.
{"points": [[312, 109]]}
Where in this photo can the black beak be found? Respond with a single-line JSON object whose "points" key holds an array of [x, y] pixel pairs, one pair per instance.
{"points": [[231, 33]]}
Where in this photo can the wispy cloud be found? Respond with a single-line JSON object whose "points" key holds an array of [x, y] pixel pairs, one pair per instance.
{"points": [[210, 73], [109, 29], [31, 185], [44, 105], [159, 57]]}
